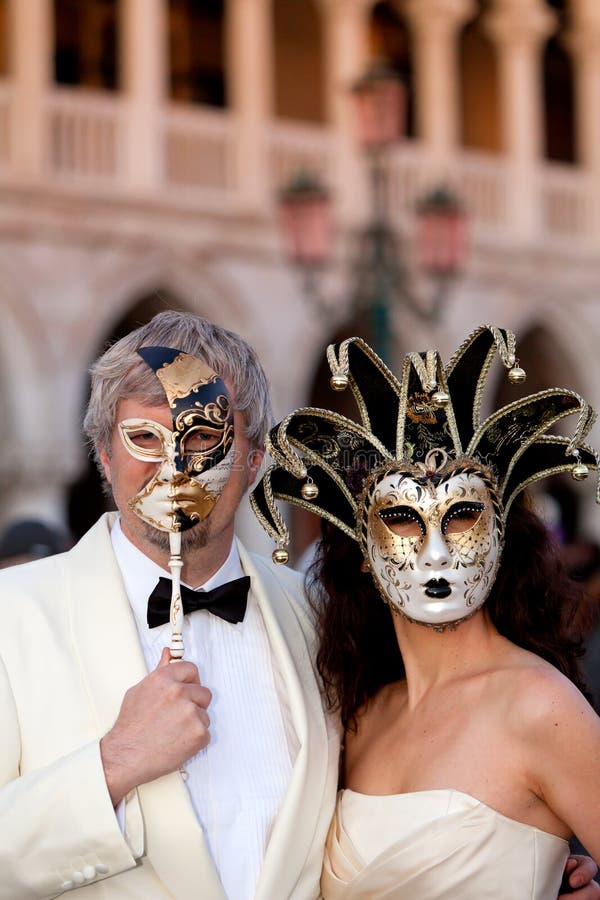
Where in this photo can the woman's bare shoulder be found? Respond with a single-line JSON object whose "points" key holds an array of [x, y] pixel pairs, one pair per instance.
{"points": [[539, 696]]}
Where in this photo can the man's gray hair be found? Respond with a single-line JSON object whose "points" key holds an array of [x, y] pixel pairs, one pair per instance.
{"points": [[120, 373]]}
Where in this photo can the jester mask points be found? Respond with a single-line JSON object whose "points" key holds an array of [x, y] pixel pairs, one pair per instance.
{"points": [[422, 480], [194, 459]]}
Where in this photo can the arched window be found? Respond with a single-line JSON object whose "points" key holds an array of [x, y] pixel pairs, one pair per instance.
{"points": [[479, 96], [197, 51], [86, 43], [298, 58], [390, 39], [559, 103]]}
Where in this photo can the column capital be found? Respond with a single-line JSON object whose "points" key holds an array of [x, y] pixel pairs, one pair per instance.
{"points": [[437, 15], [520, 22]]}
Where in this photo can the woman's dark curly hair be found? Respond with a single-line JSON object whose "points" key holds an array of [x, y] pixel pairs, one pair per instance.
{"points": [[533, 603]]}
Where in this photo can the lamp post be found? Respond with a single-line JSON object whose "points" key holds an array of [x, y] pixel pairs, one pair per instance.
{"points": [[380, 272]]}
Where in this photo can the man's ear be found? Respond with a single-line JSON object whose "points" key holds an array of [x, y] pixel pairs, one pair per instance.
{"points": [[255, 458], [105, 461]]}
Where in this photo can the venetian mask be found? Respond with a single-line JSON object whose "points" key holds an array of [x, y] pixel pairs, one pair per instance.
{"points": [[433, 544], [195, 458]]}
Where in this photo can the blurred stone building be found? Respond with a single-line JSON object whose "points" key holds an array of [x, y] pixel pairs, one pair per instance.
{"points": [[142, 147]]}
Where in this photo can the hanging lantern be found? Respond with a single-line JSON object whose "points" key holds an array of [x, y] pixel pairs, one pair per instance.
{"points": [[379, 106], [305, 218], [441, 234]]}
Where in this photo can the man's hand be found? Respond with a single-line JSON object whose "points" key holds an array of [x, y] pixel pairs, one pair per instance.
{"points": [[579, 872], [161, 723]]}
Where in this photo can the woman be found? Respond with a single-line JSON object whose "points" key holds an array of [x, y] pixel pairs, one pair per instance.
{"points": [[470, 754]]}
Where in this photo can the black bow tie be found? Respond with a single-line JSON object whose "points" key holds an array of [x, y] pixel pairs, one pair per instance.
{"points": [[228, 601]]}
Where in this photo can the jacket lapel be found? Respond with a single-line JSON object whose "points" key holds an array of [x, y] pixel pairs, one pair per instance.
{"points": [[112, 661], [294, 829]]}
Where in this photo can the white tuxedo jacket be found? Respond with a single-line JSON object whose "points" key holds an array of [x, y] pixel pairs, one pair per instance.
{"points": [[68, 652]]}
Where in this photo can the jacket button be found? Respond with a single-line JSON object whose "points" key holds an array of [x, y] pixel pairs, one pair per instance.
{"points": [[66, 886], [101, 869], [78, 877], [89, 873]]}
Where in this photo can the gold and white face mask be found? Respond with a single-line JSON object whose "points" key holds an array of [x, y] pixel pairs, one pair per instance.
{"points": [[194, 460], [433, 544], [187, 483]]}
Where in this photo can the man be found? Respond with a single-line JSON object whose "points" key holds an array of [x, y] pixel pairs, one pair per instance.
{"points": [[97, 727], [123, 775]]}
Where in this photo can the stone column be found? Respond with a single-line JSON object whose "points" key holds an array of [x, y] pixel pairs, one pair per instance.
{"points": [[435, 27], [345, 24], [249, 66], [143, 57], [519, 29], [583, 41], [30, 62]]}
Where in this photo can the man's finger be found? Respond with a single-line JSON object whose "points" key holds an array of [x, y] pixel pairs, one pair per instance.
{"points": [[165, 658], [184, 672]]}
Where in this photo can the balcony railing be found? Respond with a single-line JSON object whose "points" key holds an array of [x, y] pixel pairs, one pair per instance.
{"points": [[199, 153], [570, 202], [84, 138], [88, 145]]}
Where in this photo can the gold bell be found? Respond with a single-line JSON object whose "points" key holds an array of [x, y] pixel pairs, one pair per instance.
{"points": [[579, 472], [309, 490], [280, 556], [440, 398], [517, 375], [339, 382]]}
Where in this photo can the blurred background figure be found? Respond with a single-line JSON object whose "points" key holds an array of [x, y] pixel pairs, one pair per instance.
{"points": [[30, 539]]}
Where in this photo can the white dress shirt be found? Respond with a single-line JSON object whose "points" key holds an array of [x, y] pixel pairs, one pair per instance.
{"points": [[237, 783]]}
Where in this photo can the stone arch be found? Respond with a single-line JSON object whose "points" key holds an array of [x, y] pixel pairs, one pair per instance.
{"points": [[36, 455], [298, 61], [186, 277], [479, 89]]}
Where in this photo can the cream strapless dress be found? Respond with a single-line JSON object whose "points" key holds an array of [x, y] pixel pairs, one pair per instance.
{"points": [[436, 845]]}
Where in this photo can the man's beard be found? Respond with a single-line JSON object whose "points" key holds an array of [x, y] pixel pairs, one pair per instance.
{"points": [[194, 538]]}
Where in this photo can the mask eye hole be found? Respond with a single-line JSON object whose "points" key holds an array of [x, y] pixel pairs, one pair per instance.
{"points": [[403, 521], [145, 440], [461, 517], [201, 439]]}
